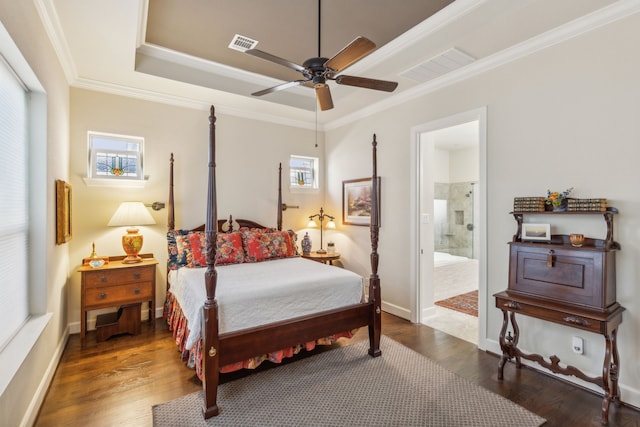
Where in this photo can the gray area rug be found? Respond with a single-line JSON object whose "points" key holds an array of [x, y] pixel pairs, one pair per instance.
{"points": [[346, 387]]}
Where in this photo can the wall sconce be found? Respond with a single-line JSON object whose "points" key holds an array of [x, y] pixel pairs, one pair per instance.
{"points": [[131, 215], [156, 206], [330, 224]]}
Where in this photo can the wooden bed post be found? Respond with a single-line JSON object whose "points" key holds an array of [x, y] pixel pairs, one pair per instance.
{"points": [[171, 215], [375, 325], [210, 341], [279, 216]]}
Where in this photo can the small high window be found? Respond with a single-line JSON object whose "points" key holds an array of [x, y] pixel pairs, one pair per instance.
{"points": [[115, 156], [303, 172]]}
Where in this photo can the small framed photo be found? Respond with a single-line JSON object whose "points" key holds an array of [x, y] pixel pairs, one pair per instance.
{"points": [[536, 232]]}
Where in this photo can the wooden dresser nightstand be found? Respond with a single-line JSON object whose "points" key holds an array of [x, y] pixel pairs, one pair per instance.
{"points": [[117, 284], [324, 258]]}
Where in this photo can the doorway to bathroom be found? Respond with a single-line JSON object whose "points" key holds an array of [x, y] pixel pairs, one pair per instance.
{"points": [[450, 176]]}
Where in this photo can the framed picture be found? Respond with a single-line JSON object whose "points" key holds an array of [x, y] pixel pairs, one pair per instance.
{"points": [[63, 212], [356, 201], [536, 232]]}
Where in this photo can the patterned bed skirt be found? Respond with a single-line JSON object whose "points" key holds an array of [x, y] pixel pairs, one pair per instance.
{"points": [[177, 323]]}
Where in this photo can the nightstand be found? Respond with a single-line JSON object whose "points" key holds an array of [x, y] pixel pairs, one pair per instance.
{"points": [[325, 258], [117, 284]]}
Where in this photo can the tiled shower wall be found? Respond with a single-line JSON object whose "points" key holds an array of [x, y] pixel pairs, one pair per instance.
{"points": [[452, 234]]}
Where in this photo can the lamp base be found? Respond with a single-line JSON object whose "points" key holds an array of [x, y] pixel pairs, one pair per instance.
{"points": [[321, 251], [132, 244]]}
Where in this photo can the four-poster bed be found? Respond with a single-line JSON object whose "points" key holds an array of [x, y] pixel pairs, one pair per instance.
{"points": [[221, 345]]}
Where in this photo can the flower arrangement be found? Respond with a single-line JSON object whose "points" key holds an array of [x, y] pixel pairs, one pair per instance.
{"points": [[556, 198]]}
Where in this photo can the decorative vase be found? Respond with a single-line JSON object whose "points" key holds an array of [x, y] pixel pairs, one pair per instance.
{"points": [[306, 244], [562, 207]]}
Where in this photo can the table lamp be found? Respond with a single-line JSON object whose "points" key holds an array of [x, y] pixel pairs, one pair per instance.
{"points": [[131, 215], [330, 224]]}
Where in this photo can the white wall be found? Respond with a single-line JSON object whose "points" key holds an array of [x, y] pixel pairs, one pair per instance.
{"points": [[247, 157], [21, 399], [566, 116], [464, 165]]}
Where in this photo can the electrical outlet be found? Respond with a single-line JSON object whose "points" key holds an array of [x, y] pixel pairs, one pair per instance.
{"points": [[577, 344]]}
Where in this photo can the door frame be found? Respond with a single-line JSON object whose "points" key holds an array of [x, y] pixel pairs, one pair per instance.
{"points": [[420, 267]]}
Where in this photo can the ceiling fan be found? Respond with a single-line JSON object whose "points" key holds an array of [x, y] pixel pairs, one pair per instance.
{"points": [[317, 71]]}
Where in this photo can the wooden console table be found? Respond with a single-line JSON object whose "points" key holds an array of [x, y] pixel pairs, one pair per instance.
{"points": [[573, 285], [605, 324]]}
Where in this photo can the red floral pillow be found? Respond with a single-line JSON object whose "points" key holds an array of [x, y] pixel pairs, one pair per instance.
{"points": [[260, 245], [192, 249], [229, 248]]}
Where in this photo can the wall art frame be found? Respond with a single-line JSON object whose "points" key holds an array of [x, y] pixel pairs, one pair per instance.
{"points": [[356, 201], [63, 212]]}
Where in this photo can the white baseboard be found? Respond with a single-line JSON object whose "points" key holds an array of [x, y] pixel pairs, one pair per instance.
{"points": [[38, 397], [396, 310]]}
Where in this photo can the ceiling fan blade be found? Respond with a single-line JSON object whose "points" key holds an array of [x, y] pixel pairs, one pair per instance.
{"points": [[267, 56], [353, 52], [324, 97], [279, 87], [364, 82]]}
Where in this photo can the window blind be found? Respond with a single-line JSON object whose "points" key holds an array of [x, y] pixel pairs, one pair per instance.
{"points": [[14, 209]]}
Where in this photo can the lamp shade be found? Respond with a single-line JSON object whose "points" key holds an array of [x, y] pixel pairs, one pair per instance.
{"points": [[130, 215]]}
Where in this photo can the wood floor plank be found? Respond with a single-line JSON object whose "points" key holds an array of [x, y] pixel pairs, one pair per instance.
{"points": [[116, 382]]}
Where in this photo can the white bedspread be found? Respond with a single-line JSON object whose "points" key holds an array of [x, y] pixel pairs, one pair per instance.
{"points": [[253, 294]]}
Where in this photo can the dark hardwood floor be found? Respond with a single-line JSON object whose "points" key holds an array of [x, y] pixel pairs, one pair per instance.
{"points": [[117, 381]]}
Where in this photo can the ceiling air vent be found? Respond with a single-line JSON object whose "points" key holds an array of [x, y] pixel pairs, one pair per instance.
{"points": [[443, 63], [242, 43]]}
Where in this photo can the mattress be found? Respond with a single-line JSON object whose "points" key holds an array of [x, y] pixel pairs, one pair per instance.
{"points": [[253, 294]]}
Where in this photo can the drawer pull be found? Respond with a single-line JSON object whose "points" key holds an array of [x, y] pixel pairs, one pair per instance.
{"points": [[103, 279], [577, 320], [550, 258], [136, 291], [136, 275], [103, 295], [512, 305]]}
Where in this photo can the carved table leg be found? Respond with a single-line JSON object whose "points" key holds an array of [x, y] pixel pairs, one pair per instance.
{"points": [[610, 371], [503, 345], [615, 369], [516, 336]]}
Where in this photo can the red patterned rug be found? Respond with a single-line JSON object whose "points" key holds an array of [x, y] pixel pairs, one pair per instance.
{"points": [[464, 303]]}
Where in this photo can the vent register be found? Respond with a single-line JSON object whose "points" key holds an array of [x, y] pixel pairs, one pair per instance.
{"points": [[441, 64], [242, 43]]}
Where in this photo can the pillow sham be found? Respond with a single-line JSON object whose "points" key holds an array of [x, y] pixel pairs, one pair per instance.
{"points": [[263, 244], [229, 248], [174, 259], [188, 249]]}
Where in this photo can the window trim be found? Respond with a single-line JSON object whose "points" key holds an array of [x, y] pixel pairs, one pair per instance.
{"points": [[316, 175], [91, 180], [17, 350]]}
